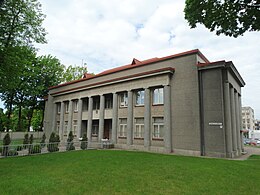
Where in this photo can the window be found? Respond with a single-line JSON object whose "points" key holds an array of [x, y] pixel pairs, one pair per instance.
{"points": [[85, 105], [95, 128], [108, 102], [96, 103], [123, 99], [66, 107], [122, 127], [158, 127], [65, 128], [75, 125], [76, 106], [158, 96], [58, 108], [140, 97], [139, 128]]}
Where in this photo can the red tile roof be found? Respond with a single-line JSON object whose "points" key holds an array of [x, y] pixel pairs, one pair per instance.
{"points": [[136, 63]]}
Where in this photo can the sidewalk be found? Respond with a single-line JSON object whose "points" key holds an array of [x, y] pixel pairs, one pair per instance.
{"points": [[250, 151]]}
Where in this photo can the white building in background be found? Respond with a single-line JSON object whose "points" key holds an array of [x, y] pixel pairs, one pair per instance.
{"points": [[248, 121]]}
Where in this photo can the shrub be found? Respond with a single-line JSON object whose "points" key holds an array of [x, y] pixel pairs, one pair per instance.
{"points": [[53, 143], [70, 142], [26, 140], [6, 142], [84, 142]]}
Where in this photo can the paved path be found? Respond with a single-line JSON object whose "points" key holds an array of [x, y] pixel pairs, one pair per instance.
{"points": [[250, 151]]}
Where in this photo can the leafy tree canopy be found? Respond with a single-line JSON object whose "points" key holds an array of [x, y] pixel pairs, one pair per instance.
{"points": [[74, 73], [231, 18], [21, 23]]}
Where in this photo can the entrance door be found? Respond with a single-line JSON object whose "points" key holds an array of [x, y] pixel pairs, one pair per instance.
{"points": [[107, 129]]}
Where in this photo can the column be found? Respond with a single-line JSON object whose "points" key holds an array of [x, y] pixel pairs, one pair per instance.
{"points": [[54, 121], [79, 119], [228, 129], [70, 117], [90, 114], [115, 118], [129, 139], [237, 124], [233, 120], [167, 119], [101, 118], [240, 122], [147, 118], [61, 120]]}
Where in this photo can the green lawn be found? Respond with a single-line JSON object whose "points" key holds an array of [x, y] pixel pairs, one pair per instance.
{"points": [[124, 172]]}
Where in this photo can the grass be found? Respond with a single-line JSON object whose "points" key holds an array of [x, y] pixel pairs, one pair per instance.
{"points": [[125, 172]]}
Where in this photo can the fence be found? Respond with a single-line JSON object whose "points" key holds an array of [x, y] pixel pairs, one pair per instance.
{"points": [[40, 148]]}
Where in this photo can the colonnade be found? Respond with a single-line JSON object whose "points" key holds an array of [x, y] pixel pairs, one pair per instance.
{"points": [[232, 109], [130, 117]]}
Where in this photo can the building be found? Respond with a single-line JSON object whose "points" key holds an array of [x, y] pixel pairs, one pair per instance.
{"points": [[248, 121], [181, 103]]}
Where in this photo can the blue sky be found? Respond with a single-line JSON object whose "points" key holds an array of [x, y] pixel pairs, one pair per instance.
{"points": [[105, 34]]}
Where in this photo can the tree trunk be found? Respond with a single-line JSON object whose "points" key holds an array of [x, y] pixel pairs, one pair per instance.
{"points": [[10, 110]]}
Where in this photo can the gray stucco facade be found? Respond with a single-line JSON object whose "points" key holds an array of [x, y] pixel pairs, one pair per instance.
{"points": [[181, 103]]}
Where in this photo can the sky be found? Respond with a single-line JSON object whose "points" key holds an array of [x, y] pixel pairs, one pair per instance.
{"points": [[106, 34]]}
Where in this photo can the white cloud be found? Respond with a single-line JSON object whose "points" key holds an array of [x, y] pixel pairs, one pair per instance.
{"points": [[106, 34]]}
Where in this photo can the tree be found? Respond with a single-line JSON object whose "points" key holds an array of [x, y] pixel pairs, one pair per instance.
{"points": [[231, 18], [74, 73], [21, 23]]}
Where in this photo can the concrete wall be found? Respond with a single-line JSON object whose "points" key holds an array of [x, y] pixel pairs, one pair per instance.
{"points": [[20, 135], [213, 112]]}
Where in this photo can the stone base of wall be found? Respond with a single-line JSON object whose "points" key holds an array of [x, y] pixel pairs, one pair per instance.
{"points": [[186, 152]]}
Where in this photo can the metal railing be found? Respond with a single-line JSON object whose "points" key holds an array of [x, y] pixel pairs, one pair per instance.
{"points": [[40, 148]]}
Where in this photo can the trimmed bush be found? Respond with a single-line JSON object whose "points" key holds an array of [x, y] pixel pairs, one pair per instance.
{"points": [[6, 142], [53, 143], [70, 144], [84, 142]]}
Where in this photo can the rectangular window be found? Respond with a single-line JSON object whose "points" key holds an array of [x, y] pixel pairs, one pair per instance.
{"points": [[95, 128], [139, 128], [158, 127], [76, 105], [85, 105], [108, 102], [123, 99], [140, 98], [158, 96], [96, 103], [122, 127], [66, 107], [58, 108], [75, 125]]}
